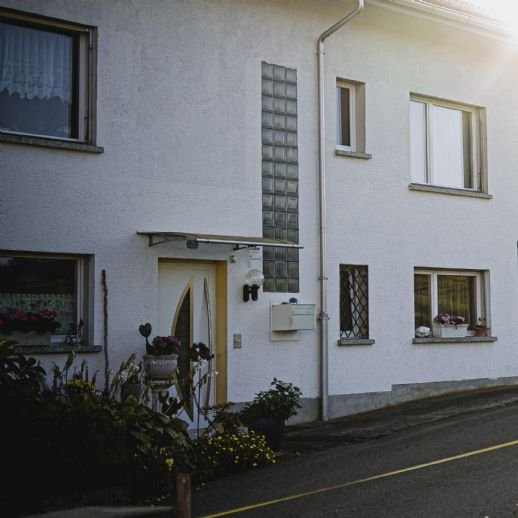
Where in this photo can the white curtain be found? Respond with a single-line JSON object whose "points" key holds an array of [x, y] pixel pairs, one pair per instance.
{"points": [[35, 63]]}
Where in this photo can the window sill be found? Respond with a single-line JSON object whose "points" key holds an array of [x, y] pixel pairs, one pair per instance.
{"points": [[459, 340], [449, 190], [49, 143], [353, 154], [56, 349], [354, 341]]}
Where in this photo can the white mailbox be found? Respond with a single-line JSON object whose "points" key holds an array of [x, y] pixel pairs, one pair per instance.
{"points": [[293, 317]]}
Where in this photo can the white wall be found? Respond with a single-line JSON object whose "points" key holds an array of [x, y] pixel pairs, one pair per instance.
{"points": [[179, 110]]}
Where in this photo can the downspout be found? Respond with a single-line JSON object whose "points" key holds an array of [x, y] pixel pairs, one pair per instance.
{"points": [[324, 316]]}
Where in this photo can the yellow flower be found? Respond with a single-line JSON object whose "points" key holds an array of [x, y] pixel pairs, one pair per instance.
{"points": [[169, 463]]}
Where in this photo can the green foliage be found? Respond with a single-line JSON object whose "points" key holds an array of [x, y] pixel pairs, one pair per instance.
{"points": [[280, 402], [72, 440], [224, 453]]}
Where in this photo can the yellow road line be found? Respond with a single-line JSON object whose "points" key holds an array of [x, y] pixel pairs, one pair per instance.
{"points": [[362, 480]]}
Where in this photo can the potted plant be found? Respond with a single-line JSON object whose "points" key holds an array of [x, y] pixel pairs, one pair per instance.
{"points": [[268, 411], [28, 327], [449, 326], [132, 379], [481, 328], [161, 357]]}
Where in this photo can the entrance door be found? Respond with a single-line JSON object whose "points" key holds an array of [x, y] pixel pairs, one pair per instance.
{"points": [[186, 299]]}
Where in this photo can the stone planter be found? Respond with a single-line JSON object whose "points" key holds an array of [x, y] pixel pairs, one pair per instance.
{"points": [[271, 428], [30, 338], [449, 331], [160, 367]]}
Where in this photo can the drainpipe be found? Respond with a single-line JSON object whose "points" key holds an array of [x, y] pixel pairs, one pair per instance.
{"points": [[324, 316]]}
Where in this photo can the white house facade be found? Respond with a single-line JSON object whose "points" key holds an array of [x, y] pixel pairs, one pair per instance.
{"points": [[154, 153]]}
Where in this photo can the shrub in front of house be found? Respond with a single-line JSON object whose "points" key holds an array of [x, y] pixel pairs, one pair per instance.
{"points": [[63, 447]]}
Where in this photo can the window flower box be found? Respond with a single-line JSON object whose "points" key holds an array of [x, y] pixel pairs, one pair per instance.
{"points": [[449, 330], [449, 326], [30, 338]]}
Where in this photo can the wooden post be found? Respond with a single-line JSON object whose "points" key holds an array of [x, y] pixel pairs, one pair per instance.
{"points": [[183, 495]]}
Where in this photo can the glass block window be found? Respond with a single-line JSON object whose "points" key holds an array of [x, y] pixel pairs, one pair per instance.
{"points": [[280, 176], [354, 301]]}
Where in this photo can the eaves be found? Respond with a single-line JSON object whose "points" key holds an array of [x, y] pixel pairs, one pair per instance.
{"points": [[452, 13]]}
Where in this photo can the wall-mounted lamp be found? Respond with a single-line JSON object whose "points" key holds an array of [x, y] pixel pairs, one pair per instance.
{"points": [[253, 281]]}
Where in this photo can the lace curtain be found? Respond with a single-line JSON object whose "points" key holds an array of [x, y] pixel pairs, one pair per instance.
{"points": [[35, 63]]}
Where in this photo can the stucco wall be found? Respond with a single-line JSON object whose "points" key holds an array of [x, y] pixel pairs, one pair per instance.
{"points": [[179, 107]]}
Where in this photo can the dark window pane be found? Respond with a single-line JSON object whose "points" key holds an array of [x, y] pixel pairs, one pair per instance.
{"points": [[345, 117], [422, 301], [32, 284], [354, 302], [37, 77], [456, 296]]}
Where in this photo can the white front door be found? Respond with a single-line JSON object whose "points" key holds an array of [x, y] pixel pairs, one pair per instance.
{"points": [[186, 298]]}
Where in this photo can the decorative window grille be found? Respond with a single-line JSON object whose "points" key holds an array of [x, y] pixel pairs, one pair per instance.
{"points": [[280, 176], [354, 301]]}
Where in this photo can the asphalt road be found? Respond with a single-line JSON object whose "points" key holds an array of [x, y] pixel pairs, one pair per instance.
{"points": [[332, 482]]}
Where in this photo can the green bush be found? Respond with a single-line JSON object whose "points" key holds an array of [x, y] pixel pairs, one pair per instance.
{"points": [[62, 444]]}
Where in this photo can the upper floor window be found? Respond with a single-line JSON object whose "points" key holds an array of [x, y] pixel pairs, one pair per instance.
{"points": [[446, 144], [46, 87], [350, 118]]}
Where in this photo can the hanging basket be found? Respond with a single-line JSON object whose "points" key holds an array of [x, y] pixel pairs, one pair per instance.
{"points": [[160, 367]]}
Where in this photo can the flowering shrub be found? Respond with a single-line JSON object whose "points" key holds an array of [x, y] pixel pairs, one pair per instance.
{"points": [[42, 321], [451, 320], [162, 345], [225, 453]]}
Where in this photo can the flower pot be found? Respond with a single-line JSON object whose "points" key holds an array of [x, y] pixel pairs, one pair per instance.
{"points": [[30, 338], [160, 367], [480, 330], [272, 429], [449, 331]]}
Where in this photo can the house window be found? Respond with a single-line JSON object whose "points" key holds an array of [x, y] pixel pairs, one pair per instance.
{"points": [[445, 144], [354, 301], [37, 283], [350, 116], [46, 86], [454, 292]]}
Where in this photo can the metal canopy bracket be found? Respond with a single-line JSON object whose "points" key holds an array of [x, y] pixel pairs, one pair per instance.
{"points": [[193, 240]]}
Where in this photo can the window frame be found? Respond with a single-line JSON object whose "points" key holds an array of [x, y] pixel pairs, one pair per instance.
{"points": [[481, 290], [344, 337], [85, 82], [477, 126], [356, 120], [82, 287], [340, 85]]}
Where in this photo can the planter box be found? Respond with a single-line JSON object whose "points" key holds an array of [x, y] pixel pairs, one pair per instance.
{"points": [[160, 367], [450, 331], [30, 338], [271, 428]]}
